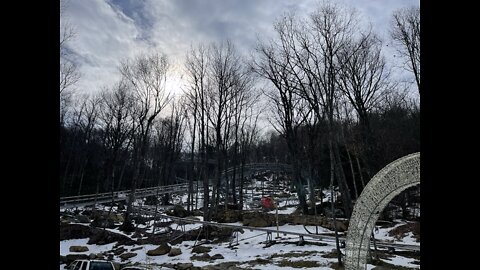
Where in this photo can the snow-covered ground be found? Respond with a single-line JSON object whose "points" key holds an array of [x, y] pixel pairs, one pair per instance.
{"points": [[251, 246], [382, 234], [251, 251]]}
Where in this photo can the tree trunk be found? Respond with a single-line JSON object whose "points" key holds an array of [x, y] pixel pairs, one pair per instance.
{"points": [[342, 182], [332, 202]]}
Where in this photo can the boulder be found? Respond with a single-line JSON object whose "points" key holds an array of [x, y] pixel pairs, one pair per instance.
{"points": [[217, 257], [258, 222], [116, 218], [174, 252], [82, 219], [119, 250], [201, 249], [102, 222], [178, 211], [127, 255], [204, 257], [73, 231], [101, 237], [160, 250], [184, 266], [78, 249]]}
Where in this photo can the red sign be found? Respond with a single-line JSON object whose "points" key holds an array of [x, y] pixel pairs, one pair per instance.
{"points": [[268, 202]]}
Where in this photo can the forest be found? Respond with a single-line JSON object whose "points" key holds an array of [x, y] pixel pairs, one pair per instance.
{"points": [[320, 95]]}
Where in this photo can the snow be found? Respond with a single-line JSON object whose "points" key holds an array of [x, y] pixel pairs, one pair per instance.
{"points": [[382, 234], [398, 260], [288, 210], [251, 243], [66, 244]]}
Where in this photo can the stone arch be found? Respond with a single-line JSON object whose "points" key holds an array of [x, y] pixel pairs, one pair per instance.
{"points": [[382, 188]]}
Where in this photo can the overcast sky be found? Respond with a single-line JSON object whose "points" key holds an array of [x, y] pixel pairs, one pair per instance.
{"points": [[108, 31]]}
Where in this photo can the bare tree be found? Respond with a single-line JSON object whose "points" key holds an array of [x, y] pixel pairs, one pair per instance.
{"points": [[310, 50], [117, 126], [225, 75], [405, 33], [168, 139], [69, 74], [364, 79], [146, 76], [247, 136], [196, 70], [67, 30], [88, 125], [275, 66]]}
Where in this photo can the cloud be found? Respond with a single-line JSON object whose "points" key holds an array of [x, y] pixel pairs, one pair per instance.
{"points": [[111, 30], [104, 36]]}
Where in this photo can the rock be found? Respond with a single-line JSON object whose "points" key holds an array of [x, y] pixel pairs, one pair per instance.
{"points": [[258, 222], [128, 255], [135, 249], [161, 250], [117, 218], [341, 227], [201, 249], [102, 222], [82, 219], [217, 257], [119, 250], [178, 211], [78, 249], [184, 266], [137, 235], [204, 257], [222, 266], [72, 257], [87, 213], [73, 231], [174, 252], [258, 219], [101, 237]]}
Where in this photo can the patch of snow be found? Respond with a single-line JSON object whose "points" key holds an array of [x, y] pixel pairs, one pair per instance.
{"points": [[289, 210], [66, 244], [402, 261]]}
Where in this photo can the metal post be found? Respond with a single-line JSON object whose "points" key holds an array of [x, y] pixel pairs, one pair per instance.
{"points": [[276, 214]]}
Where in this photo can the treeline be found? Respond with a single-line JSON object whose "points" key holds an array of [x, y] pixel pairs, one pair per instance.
{"points": [[338, 113]]}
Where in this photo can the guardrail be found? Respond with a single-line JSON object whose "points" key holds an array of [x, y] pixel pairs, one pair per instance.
{"points": [[379, 243], [72, 201]]}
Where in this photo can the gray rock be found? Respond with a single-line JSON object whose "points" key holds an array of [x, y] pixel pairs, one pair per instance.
{"points": [[201, 249], [174, 252], [82, 219], [119, 250], [161, 250], [184, 266], [217, 257], [128, 255], [78, 249]]}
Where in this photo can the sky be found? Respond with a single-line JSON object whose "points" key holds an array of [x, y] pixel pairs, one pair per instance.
{"points": [[108, 31]]}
